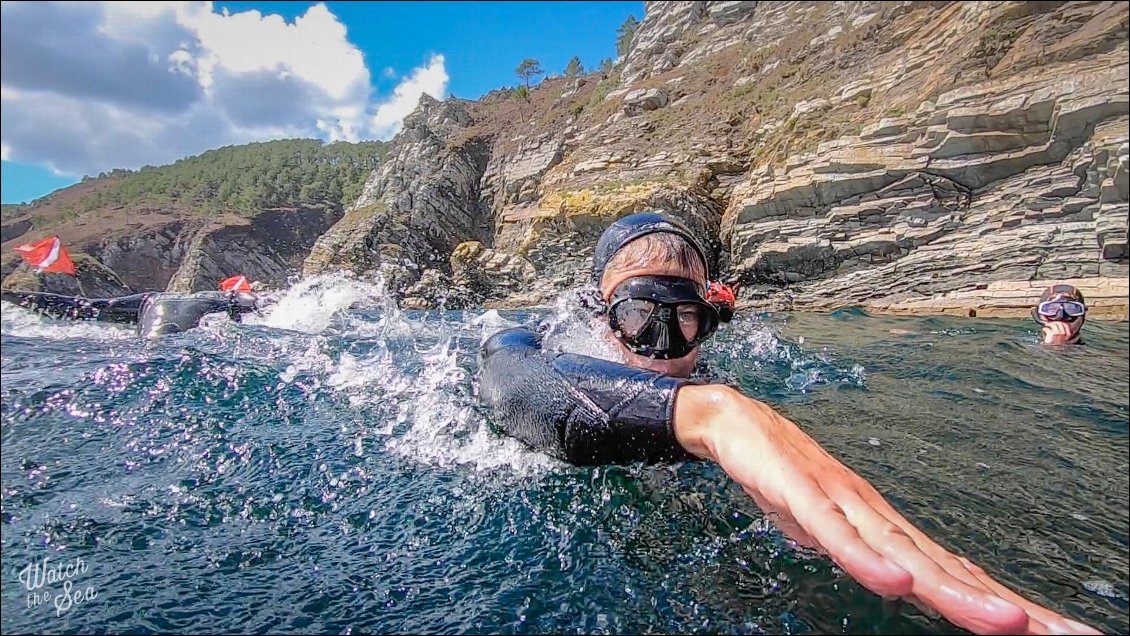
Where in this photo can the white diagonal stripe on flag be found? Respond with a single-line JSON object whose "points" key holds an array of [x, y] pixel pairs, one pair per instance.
{"points": [[52, 256]]}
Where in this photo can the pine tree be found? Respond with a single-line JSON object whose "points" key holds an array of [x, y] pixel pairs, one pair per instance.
{"points": [[574, 67], [625, 34], [528, 69]]}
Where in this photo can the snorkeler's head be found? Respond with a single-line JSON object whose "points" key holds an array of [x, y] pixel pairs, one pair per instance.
{"points": [[1061, 311], [653, 275]]}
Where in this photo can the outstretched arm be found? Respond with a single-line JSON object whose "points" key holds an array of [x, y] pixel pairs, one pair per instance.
{"points": [[54, 305], [121, 309], [822, 503]]}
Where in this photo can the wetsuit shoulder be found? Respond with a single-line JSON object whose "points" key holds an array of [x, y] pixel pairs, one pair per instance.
{"points": [[577, 408], [166, 312]]}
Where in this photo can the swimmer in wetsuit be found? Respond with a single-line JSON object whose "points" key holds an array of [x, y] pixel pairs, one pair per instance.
{"points": [[653, 280], [154, 313]]}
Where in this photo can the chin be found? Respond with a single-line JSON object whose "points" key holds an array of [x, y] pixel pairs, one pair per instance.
{"points": [[678, 367]]}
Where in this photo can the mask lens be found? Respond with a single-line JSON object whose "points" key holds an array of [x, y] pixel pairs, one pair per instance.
{"points": [[1049, 309], [691, 321], [1053, 308], [633, 315]]}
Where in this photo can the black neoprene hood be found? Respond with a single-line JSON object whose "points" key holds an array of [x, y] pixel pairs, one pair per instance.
{"points": [[631, 227]]}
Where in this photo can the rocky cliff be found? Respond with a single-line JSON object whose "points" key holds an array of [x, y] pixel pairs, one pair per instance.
{"points": [[254, 209], [175, 250], [946, 157], [903, 156], [418, 206], [92, 279]]}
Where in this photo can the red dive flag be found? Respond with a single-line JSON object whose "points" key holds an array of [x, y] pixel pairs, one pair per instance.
{"points": [[237, 283], [48, 255]]}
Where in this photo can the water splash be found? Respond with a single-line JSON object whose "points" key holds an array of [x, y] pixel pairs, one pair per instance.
{"points": [[573, 327], [312, 304], [19, 321]]}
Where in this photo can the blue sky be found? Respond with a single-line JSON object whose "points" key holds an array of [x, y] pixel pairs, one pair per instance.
{"points": [[92, 87]]}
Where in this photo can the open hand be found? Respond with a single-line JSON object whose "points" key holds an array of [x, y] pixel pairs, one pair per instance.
{"points": [[821, 503]]}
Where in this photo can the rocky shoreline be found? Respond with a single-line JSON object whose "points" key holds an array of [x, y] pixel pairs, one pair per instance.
{"points": [[902, 157]]}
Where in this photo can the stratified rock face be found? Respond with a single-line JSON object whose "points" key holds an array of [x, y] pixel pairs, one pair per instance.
{"points": [[514, 178], [888, 154], [420, 204], [1004, 181], [675, 34], [269, 248], [882, 154]]}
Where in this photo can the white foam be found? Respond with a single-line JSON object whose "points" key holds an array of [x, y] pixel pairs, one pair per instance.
{"points": [[311, 305], [418, 394], [573, 328], [491, 323], [18, 321]]}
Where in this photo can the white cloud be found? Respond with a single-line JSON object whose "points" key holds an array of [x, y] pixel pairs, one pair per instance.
{"points": [[87, 87], [430, 79]]}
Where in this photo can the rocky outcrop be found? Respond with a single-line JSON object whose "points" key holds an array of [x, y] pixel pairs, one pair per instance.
{"points": [[145, 258], [420, 204], [169, 249], [888, 155], [988, 187], [515, 178], [642, 100], [269, 248], [1106, 298], [489, 274], [679, 34], [435, 289], [92, 279]]}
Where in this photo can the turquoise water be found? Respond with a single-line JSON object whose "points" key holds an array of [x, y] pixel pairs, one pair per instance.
{"points": [[327, 470]]}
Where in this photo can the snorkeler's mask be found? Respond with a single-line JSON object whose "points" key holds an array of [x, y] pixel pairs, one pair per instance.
{"points": [[662, 317], [1061, 310], [1062, 303]]}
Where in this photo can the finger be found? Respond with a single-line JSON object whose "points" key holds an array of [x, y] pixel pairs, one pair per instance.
{"points": [[783, 521], [895, 523], [1041, 619], [823, 519], [943, 584]]}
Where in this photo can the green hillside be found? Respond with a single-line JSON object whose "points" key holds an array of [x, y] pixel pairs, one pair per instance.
{"points": [[246, 179]]}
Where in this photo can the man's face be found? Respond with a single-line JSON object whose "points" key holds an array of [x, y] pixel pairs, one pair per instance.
{"points": [[678, 367], [1062, 328]]}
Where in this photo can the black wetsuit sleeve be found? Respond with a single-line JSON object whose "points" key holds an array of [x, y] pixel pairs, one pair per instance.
{"points": [[579, 409], [123, 309], [54, 305]]}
